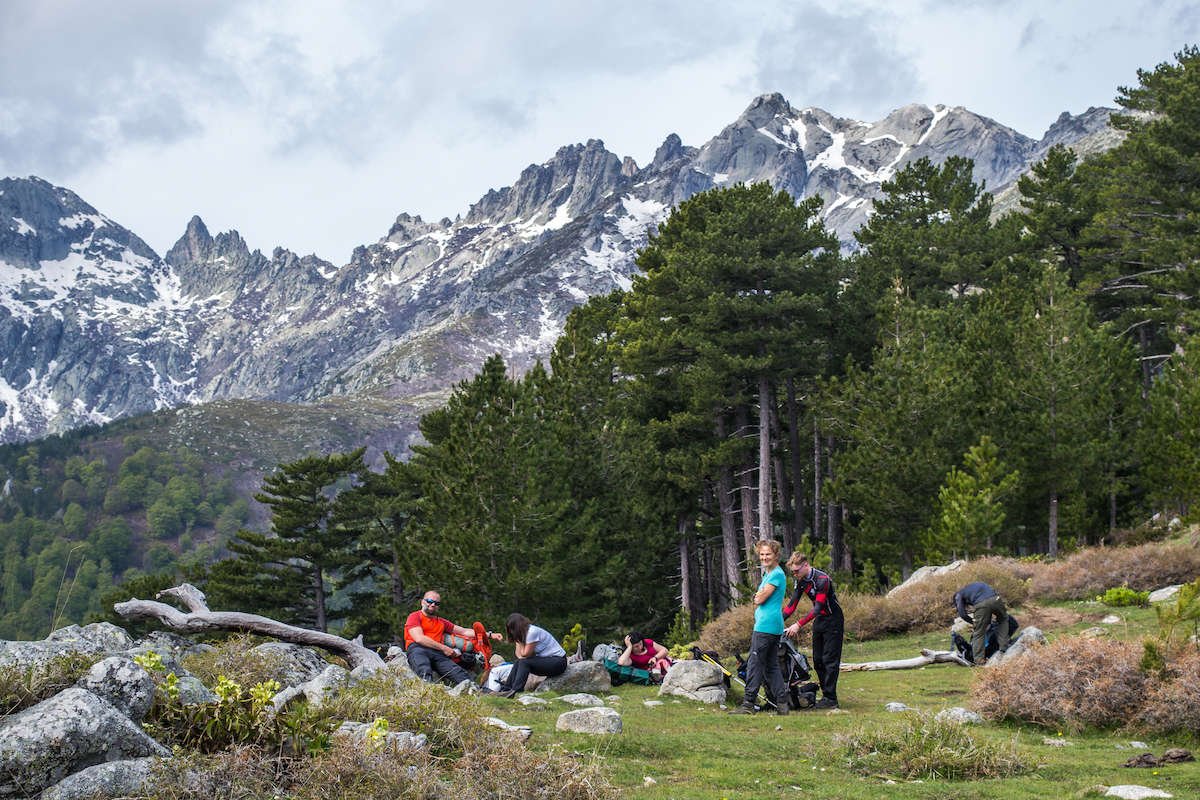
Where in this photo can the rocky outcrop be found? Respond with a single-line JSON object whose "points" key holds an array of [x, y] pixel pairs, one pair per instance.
{"points": [[58, 737], [111, 779], [123, 683]]}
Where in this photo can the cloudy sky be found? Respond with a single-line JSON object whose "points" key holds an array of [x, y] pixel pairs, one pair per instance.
{"points": [[311, 125]]}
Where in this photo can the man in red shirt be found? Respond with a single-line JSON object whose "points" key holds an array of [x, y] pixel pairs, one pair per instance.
{"points": [[428, 655]]}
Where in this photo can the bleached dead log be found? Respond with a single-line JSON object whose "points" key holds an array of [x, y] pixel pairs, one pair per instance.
{"points": [[926, 658], [199, 618]]}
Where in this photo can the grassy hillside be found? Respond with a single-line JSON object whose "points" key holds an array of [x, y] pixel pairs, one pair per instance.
{"points": [[694, 751]]}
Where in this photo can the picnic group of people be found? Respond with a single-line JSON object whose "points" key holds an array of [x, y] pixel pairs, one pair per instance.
{"points": [[539, 653]]}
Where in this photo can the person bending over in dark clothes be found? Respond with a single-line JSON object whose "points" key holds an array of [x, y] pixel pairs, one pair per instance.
{"points": [[829, 625], [986, 603]]}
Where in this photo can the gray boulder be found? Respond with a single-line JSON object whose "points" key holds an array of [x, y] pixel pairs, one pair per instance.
{"points": [[291, 664], [326, 685], [695, 680], [582, 676], [192, 692], [397, 662], [58, 737], [925, 573], [122, 682], [958, 715], [111, 779], [1165, 593], [590, 720], [582, 699], [99, 637]]}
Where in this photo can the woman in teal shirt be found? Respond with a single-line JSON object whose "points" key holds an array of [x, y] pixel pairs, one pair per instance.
{"points": [[762, 665]]}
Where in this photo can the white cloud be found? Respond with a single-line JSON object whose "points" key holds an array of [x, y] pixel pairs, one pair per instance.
{"points": [[311, 125]]}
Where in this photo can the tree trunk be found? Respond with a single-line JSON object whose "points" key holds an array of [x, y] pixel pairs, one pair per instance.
{"points": [[816, 528], [730, 561], [764, 459], [685, 569], [782, 488], [797, 472], [926, 658], [746, 496], [318, 584], [199, 619], [1052, 534]]}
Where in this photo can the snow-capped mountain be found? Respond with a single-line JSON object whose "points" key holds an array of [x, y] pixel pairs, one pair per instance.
{"points": [[95, 325]]}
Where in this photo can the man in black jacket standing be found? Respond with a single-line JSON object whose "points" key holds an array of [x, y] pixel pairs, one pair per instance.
{"points": [[829, 624], [986, 603]]}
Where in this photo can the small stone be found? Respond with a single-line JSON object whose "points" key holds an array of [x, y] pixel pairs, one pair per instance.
{"points": [[613, 698], [522, 732], [959, 715], [1135, 792], [600, 720], [582, 699], [1094, 633], [895, 708], [656, 703], [1054, 741], [1111, 619], [531, 700], [1139, 745], [648, 781]]}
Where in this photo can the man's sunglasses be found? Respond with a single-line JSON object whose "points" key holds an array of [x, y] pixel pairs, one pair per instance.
{"points": [[430, 602]]}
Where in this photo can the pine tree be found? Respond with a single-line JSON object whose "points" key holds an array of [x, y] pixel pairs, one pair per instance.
{"points": [[970, 511]]}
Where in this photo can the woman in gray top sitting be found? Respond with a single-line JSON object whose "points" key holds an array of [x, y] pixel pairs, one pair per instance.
{"points": [[538, 653]]}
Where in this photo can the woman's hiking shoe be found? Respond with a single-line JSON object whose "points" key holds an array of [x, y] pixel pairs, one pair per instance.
{"points": [[825, 703], [744, 708]]}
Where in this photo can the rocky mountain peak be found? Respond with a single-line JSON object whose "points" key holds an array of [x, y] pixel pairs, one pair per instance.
{"points": [[765, 108], [669, 150], [195, 244]]}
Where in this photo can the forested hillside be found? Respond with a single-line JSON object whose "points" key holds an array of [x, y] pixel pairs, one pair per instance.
{"points": [[958, 386]]}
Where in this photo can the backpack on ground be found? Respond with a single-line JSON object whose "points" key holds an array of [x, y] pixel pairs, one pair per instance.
{"points": [[991, 641]]}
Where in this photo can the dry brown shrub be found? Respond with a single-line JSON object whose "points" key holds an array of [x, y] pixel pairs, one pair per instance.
{"points": [[1072, 683], [928, 605], [1172, 705], [1090, 572], [729, 632]]}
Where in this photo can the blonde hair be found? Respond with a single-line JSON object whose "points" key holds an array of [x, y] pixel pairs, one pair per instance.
{"points": [[771, 544], [796, 559]]}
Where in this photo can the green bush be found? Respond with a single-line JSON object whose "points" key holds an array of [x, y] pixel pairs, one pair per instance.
{"points": [[1119, 596], [926, 749]]}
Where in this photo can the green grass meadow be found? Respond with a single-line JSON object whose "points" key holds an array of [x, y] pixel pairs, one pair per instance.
{"points": [[690, 750]]}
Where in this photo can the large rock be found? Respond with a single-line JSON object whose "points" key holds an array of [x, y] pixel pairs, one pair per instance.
{"points": [[58, 737], [589, 720], [1165, 593], [290, 664], [112, 779], [332, 680], [582, 676], [122, 682], [925, 573], [695, 680], [99, 637]]}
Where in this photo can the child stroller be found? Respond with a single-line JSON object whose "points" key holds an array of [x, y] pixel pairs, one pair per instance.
{"points": [[802, 693]]}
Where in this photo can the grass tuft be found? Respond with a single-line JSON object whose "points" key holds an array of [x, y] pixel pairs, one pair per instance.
{"points": [[926, 749]]}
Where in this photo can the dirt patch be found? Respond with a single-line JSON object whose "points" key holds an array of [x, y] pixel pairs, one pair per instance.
{"points": [[1047, 617]]}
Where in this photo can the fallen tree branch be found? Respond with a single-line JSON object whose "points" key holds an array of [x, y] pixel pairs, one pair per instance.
{"points": [[927, 657], [199, 618]]}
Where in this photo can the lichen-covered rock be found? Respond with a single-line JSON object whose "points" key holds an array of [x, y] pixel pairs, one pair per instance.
{"points": [[396, 740], [99, 637], [601, 720], [1165, 593], [122, 682], [925, 573], [112, 779], [695, 680], [531, 700], [896, 708], [326, 685], [582, 676], [62, 735], [522, 732], [397, 662], [582, 699], [291, 664], [193, 692]]}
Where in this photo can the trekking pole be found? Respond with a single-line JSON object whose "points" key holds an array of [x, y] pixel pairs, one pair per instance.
{"points": [[733, 677]]}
